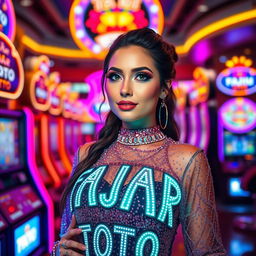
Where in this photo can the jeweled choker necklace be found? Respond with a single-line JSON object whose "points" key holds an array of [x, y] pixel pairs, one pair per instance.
{"points": [[140, 136]]}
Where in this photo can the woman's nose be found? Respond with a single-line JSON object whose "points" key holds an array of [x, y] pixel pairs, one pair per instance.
{"points": [[126, 88]]}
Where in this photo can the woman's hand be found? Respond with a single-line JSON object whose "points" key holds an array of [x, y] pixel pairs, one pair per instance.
{"points": [[67, 246]]}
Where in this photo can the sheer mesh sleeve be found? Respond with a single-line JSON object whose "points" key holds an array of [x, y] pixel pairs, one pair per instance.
{"points": [[67, 216], [198, 212]]}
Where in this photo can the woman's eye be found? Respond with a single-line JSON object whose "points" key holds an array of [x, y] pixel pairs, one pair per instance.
{"points": [[113, 77], [143, 77]]}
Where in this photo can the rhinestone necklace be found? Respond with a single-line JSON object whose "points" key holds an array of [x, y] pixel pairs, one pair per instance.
{"points": [[140, 136]]}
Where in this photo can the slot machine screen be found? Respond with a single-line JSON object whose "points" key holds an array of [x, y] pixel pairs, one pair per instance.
{"points": [[9, 143], [27, 236], [239, 145]]}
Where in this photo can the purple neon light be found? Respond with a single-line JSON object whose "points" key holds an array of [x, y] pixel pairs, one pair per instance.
{"points": [[8, 28], [30, 124], [194, 121], [234, 108], [205, 126], [85, 38], [237, 73]]}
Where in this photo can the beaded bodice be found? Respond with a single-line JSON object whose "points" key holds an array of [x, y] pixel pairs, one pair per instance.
{"points": [[131, 201]]}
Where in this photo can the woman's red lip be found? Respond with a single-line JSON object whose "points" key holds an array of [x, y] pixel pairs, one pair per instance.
{"points": [[126, 102]]}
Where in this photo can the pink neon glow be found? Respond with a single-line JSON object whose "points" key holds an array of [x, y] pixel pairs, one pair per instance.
{"points": [[180, 117], [194, 126], [205, 126], [30, 124], [95, 96]]}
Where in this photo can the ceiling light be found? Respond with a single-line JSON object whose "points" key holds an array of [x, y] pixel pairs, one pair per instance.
{"points": [[26, 3], [202, 8]]}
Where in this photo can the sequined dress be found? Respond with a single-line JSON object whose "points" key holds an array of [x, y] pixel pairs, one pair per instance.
{"points": [[131, 201]]}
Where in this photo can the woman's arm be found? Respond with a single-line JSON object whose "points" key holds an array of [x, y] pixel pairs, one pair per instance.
{"points": [[66, 215], [80, 154], [198, 210]]}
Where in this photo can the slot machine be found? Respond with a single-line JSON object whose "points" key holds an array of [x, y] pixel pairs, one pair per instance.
{"points": [[236, 125], [24, 203]]}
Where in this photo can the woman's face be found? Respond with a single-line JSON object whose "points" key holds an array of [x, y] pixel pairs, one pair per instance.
{"points": [[133, 87]]}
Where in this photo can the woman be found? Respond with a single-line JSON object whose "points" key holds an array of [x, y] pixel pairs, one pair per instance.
{"points": [[130, 189]]}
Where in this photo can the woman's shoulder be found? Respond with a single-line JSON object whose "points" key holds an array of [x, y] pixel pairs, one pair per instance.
{"points": [[184, 149], [180, 154], [83, 150]]}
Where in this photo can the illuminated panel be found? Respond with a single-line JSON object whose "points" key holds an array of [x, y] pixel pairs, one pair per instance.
{"points": [[95, 97], [11, 70], [27, 237], [238, 115], [9, 143], [235, 188], [95, 24], [38, 90], [240, 144], [239, 79], [7, 19]]}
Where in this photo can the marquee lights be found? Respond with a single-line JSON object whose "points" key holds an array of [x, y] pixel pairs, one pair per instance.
{"points": [[208, 30], [95, 24], [239, 79]]}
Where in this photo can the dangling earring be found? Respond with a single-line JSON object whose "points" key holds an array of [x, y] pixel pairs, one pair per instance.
{"points": [[163, 105]]}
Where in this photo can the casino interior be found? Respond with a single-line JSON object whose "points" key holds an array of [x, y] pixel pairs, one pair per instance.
{"points": [[50, 97]]}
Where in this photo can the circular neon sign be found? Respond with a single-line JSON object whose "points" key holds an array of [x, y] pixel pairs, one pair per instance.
{"points": [[237, 81], [95, 24], [39, 91], [238, 115]]}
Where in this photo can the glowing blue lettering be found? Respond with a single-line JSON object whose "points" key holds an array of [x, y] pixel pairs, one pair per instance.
{"points": [[125, 232], [168, 201], [115, 189], [144, 178]]}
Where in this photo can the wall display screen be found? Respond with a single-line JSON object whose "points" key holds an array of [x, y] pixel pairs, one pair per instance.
{"points": [[239, 144], [9, 143], [27, 237]]}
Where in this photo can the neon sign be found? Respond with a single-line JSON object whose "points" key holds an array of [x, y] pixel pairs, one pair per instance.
{"points": [[95, 24], [11, 70], [7, 19], [238, 115], [55, 99], [239, 79], [39, 91]]}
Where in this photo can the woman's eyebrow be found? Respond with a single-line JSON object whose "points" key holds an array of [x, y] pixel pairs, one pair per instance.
{"points": [[133, 70]]}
